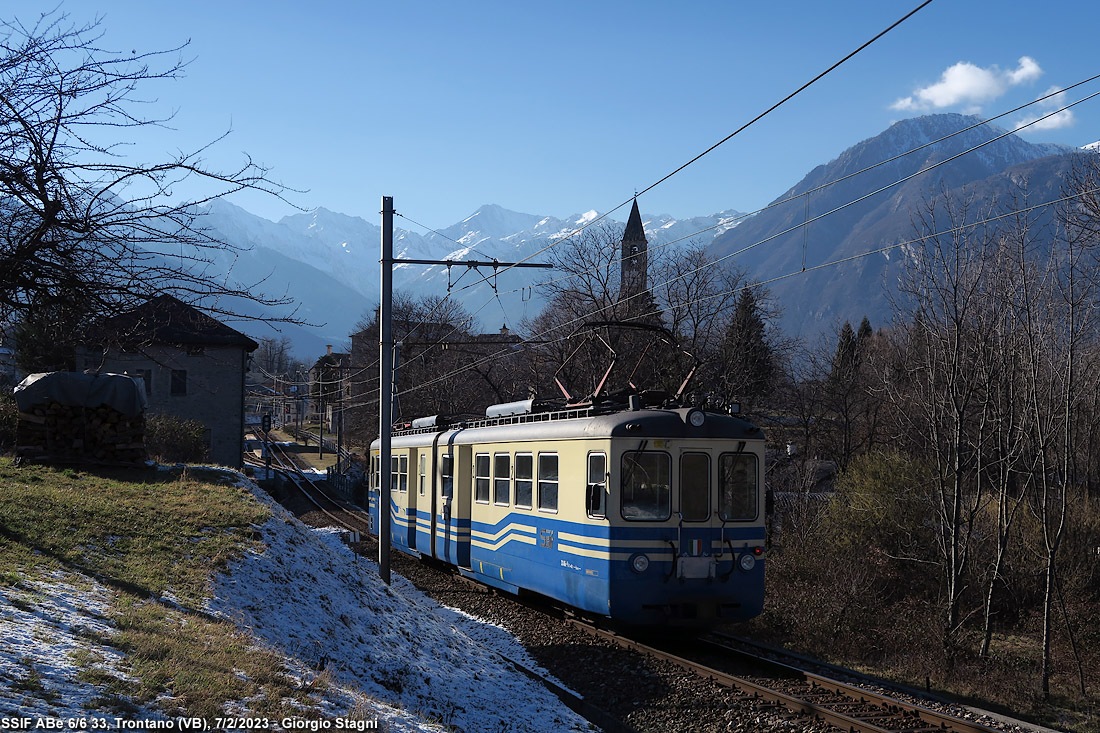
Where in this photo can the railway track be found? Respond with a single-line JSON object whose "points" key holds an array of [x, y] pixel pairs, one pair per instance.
{"points": [[844, 706], [350, 518]]}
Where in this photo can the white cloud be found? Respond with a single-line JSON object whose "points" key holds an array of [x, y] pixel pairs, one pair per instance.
{"points": [[1060, 120], [1027, 71], [970, 85]]}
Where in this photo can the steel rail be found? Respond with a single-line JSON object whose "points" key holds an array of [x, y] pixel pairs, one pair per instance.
{"points": [[939, 721], [927, 720], [297, 477]]}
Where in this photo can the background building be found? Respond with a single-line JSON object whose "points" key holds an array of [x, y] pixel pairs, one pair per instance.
{"points": [[193, 366]]}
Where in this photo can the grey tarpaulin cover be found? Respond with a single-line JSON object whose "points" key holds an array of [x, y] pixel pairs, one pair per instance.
{"points": [[74, 389]]}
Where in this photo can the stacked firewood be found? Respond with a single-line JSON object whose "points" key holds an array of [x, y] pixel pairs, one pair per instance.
{"points": [[62, 432]]}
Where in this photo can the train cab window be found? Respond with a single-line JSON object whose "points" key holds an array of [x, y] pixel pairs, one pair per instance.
{"points": [[595, 499], [399, 473], [525, 474], [737, 486], [695, 487], [422, 483], [647, 494], [502, 478], [446, 475], [548, 482], [481, 478]]}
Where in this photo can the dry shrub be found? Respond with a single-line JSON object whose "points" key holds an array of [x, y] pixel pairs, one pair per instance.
{"points": [[9, 421], [169, 439]]}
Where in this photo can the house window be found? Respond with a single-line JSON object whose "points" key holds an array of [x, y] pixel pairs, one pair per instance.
{"points": [[179, 381]]}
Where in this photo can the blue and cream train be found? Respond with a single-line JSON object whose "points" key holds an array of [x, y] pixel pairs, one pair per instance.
{"points": [[644, 515]]}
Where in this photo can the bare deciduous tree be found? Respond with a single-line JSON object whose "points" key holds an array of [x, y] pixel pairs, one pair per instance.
{"points": [[83, 222], [945, 343]]}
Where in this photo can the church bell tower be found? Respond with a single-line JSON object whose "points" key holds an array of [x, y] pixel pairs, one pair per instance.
{"points": [[634, 262]]}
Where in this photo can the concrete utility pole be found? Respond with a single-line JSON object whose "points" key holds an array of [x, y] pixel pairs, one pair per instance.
{"points": [[387, 346]]}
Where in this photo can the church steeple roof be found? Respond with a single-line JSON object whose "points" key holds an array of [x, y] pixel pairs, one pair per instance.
{"points": [[634, 231]]}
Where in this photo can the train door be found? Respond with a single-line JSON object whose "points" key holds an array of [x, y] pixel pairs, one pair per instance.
{"points": [[463, 499], [450, 516], [442, 496], [421, 502], [373, 493], [698, 547], [399, 492], [411, 496]]}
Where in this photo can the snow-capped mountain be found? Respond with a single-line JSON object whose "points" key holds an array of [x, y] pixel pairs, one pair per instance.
{"points": [[329, 262]]}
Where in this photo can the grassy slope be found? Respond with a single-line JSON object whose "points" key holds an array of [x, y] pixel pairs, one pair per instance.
{"points": [[147, 535]]}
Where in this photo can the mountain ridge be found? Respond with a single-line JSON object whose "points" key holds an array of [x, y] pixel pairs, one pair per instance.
{"points": [[785, 243], [311, 246]]}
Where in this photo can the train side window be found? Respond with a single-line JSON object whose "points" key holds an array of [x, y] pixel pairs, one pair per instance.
{"points": [[423, 473], [399, 473], [548, 482], [646, 489], [595, 500], [375, 478], [481, 478], [502, 478], [447, 484], [393, 473], [695, 487], [525, 474], [737, 487]]}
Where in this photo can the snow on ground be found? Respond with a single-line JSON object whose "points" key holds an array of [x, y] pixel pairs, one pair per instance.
{"points": [[387, 653], [53, 628], [309, 595]]}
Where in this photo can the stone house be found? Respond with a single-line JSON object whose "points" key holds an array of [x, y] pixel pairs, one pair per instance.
{"points": [[193, 366]]}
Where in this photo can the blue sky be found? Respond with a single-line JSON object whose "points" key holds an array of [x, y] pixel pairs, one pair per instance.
{"points": [[561, 107]]}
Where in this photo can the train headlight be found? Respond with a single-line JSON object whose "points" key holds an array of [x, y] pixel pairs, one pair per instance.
{"points": [[697, 418], [640, 563], [747, 562]]}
